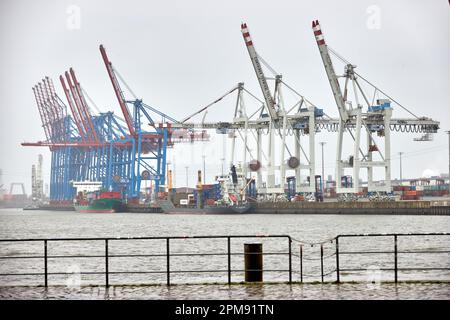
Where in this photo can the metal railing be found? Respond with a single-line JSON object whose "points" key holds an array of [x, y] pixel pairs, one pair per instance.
{"points": [[330, 254], [168, 254], [337, 253], [395, 252]]}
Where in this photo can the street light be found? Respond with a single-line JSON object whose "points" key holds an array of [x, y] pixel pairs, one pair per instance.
{"points": [[448, 132], [204, 169], [323, 170], [187, 176], [401, 175], [167, 175]]}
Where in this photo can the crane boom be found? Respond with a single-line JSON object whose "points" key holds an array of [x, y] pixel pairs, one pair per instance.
{"points": [[118, 91], [42, 113], [72, 108], [332, 78], [83, 104], [78, 105], [270, 103]]}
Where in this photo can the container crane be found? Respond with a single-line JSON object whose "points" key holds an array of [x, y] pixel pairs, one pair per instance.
{"points": [[377, 122], [344, 115], [270, 106], [279, 122]]}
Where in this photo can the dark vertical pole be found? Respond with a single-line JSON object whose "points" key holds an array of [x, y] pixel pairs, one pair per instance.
{"points": [[106, 264], [301, 263], [168, 260], [290, 260], [395, 257], [448, 132], [321, 261], [45, 262], [337, 260], [253, 262], [229, 260]]}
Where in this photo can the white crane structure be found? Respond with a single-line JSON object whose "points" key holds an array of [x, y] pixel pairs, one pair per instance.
{"points": [[285, 127], [352, 117], [278, 122]]}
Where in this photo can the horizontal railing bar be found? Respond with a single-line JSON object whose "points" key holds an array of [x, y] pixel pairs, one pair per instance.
{"points": [[214, 271], [22, 257], [20, 274], [364, 252], [233, 254], [218, 237], [392, 269], [419, 251], [143, 255], [49, 273], [406, 269], [392, 234], [370, 252], [148, 238], [152, 271], [365, 269]]}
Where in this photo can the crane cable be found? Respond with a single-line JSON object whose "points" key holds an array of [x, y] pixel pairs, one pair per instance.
{"points": [[337, 55]]}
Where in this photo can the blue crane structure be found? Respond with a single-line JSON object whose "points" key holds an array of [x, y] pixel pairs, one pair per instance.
{"points": [[85, 147]]}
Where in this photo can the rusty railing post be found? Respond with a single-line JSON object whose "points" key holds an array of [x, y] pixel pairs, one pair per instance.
{"points": [[106, 264], [337, 260], [321, 261], [301, 263], [229, 259], [395, 259], [168, 261], [45, 264], [290, 259]]}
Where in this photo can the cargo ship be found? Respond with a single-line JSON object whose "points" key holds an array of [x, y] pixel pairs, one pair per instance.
{"points": [[91, 198], [232, 199]]}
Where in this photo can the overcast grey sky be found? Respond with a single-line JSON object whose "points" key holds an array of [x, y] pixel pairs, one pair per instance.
{"points": [[180, 55]]}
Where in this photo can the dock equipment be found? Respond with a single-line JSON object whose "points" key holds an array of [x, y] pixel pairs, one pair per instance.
{"points": [[100, 147], [354, 121], [116, 151]]}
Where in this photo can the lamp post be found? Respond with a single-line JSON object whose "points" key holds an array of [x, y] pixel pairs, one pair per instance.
{"points": [[323, 170], [187, 176], [223, 160], [401, 175], [204, 169], [448, 132], [167, 175]]}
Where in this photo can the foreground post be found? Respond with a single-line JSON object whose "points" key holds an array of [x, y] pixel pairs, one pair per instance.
{"points": [[253, 258]]}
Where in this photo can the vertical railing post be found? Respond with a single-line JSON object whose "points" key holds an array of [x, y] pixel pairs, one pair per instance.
{"points": [[168, 261], [301, 263], [337, 260], [395, 258], [229, 259], [106, 264], [290, 259], [321, 261], [45, 264]]}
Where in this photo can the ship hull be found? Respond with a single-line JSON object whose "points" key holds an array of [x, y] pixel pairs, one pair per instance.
{"points": [[236, 209], [212, 210], [100, 206]]}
